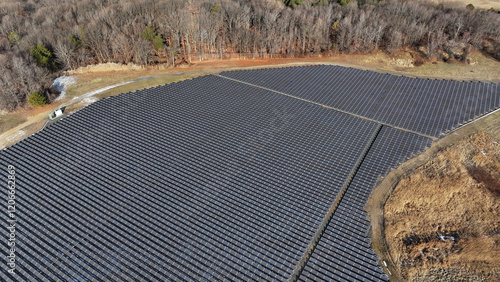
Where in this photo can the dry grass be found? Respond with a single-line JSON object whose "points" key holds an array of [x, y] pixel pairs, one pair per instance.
{"points": [[95, 77], [380, 194], [483, 4], [130, 87], [11, 120], [481, 67], [92, 81], [143, 84], [455, 194]]}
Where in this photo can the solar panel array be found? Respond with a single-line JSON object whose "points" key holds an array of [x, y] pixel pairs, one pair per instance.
{"points": [[204, 179], [344, 253], [215, 179], [430, 107]]}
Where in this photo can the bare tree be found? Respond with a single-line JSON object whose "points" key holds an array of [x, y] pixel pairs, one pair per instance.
{"points": [[65, 54]]}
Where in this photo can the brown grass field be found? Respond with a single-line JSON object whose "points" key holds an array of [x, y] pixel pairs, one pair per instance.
{"points": [[441, 222], [456, 194], [449, 190]]}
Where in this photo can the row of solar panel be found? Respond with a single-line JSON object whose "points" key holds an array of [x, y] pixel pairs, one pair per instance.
{"points": [[189, 171], [228, 144], [213, 200], [430, 107], [344, 252]]}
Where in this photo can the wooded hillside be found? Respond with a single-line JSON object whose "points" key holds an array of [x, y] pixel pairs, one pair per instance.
{"points": [[40, 38]]}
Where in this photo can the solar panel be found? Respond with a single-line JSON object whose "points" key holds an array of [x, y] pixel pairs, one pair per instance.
{"points": [[345, 236], [430, 107], [204, 179], [224, 177]]}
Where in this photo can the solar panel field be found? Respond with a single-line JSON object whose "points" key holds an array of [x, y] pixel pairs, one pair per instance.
{"points": [[425, 106], [225, 177], [342, 253]]}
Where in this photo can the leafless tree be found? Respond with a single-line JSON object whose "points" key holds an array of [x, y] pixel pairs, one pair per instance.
{"points": [[65, 54]]}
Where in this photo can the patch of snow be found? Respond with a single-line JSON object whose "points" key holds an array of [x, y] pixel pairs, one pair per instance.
{"points": [[62, 83], [88, 100], [15, 135], [92, 93]]}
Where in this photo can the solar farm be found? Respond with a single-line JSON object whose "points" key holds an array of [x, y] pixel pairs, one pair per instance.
{"points": [[245, 175]]}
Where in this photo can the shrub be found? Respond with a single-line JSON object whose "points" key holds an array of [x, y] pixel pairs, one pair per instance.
{"points": [[151, 35], [37, 99], [14, 37], [76, 42], [215, 9], [470, 7], [293, 3]]}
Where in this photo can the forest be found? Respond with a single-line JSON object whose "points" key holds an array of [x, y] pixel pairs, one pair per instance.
{"points": [[41, 38]]}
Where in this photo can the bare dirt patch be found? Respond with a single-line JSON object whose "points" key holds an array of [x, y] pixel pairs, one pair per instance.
{"points": [[442, 220]]}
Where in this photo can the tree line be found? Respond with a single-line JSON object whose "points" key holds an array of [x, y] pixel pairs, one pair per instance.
{"points": [[40, 38]]}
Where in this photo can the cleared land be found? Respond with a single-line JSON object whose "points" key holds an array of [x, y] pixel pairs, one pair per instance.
{"points": [[242, 127], [464, 148], [442, 220], [10, 121]]}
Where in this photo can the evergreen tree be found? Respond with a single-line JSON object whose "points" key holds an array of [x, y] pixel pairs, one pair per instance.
{"points": [[76, 42], [43, 56], [149, 34], [158, 42], [321, 3], [293, 3], [37, 99], [344, 2]]}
